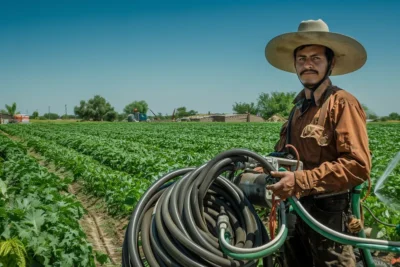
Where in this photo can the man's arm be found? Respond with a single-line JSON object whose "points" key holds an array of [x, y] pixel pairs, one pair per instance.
{"points": [[353, 166]]}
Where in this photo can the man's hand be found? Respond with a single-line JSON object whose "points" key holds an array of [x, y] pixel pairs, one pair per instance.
{"points": [[285, 187]]}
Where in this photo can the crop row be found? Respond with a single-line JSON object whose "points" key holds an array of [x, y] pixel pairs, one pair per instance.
{"points": [[206, 139], [120, 190], [39, 224], [133, 158]]}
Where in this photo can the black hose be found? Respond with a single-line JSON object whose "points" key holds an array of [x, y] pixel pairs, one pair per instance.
{"points": [[176, 217], [376, 219]]}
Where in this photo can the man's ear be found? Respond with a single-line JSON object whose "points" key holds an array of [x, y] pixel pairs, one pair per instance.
{"points": [[332, 65], [333, 62]]}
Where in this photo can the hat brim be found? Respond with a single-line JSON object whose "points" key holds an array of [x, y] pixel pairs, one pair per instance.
{"points": [[350, 55]]}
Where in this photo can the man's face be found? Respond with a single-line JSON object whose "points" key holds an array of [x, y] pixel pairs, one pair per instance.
{"points": [[311, 64]]}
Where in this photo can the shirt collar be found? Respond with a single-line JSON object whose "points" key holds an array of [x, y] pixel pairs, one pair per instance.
{"points": [[317, 94]]}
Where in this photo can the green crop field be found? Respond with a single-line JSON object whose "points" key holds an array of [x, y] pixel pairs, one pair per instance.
{"points": [[117, 162]]}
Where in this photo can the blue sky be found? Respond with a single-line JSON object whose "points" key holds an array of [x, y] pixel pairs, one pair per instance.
{"points": [[205, 55]]}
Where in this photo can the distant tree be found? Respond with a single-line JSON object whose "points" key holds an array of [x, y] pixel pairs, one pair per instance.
{"points": [[121, 116], [370, 114], [51, 116], [97, 109], [243, 108], [141, 107], [111, 115], [68, 117], [275, 103], [384, 118], [394, 116], [35, 115], [181, 112], [192, 112], [3, 111], [81, 110], [11, 110]]}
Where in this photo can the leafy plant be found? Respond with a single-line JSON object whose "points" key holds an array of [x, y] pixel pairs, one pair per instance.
{"points": [[12, 253], [34, 209]]}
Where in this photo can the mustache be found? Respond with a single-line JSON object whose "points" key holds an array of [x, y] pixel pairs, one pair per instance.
{"points": [[310, 71]]}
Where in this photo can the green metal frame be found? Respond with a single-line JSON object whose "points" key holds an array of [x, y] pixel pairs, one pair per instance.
{"points": [[355, 203]]}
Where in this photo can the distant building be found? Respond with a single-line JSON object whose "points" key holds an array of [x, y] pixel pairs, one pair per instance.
{"points": [[17, 118], [5, 118], [21, 118]]}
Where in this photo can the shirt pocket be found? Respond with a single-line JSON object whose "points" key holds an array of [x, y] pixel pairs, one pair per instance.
{"points": [[280, 145], [315, 138]]}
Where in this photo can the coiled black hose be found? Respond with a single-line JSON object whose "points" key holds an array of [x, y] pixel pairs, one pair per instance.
{"points": [[176, 217]]}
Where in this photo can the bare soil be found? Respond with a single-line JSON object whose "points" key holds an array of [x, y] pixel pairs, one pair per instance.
{"points": [[103, 231]]}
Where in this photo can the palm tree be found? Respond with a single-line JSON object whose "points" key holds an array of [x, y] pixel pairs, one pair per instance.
{"points": [[11, 109]]}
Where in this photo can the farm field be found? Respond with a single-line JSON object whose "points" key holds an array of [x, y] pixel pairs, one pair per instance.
{"points": [[117, 162]]}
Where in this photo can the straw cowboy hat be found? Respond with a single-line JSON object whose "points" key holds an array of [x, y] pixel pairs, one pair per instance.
{"points": [[350, 55]]}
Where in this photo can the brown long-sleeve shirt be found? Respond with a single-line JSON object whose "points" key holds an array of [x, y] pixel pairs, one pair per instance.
{"points": [[335, 156]]}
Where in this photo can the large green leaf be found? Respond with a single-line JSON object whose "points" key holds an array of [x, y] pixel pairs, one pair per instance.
{"points": [[35, 218], [3, 189]]}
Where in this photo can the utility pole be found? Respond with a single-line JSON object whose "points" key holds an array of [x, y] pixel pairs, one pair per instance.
{"points": [[65, 111], [48, 116]]}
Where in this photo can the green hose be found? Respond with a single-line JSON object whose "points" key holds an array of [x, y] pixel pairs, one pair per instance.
{"points": [[344, 240], [256, 255], [253, 253], [364, 246]]}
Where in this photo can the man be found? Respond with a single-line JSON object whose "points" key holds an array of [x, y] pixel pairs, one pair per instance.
{"points": [[327, 126]]}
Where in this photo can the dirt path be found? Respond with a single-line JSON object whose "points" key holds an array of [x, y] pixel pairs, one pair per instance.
{"points": [[105, 233]]}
